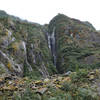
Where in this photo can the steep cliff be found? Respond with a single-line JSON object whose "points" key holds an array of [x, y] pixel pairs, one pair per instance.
{"points": [[28, 48], [73, 43], [56, 61], [23, 47]]}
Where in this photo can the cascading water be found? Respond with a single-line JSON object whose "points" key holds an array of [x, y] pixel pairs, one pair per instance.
{"points": [[48, 38], [52, 44], [32, 54]]}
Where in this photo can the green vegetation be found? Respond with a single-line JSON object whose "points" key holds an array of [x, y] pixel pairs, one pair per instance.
{"points": [[28, 95], [76, 49], [24, 52]]}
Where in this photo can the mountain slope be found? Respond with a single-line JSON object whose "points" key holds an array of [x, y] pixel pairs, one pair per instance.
{"points": [[74, 43], [23, 48], [28, 48], [56, 61]]}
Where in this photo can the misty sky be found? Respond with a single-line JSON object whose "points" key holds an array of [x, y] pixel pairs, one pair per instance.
{"points": [[42, 11]]}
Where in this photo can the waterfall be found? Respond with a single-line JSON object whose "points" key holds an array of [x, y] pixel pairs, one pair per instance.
{"points": [[33, 54], [52, 44], [48, 39]]}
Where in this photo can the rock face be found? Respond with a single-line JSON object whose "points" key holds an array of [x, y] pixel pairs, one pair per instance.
{"points": [[64, 44], [75, 43], [23, 47]]}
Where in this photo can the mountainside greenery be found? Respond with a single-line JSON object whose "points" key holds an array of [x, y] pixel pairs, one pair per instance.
{"points": [[77, 44], [55, 61], [25, 46]]}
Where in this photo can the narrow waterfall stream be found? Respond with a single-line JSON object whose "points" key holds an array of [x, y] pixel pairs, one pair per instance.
{"points": [[48, 40], [52, 44]]}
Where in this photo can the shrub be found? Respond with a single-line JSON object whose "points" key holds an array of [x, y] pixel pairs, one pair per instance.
{"points": [[80, 75], [28, 95]]}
